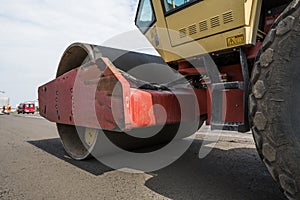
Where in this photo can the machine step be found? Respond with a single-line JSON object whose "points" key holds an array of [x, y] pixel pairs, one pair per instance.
{"points": [[228, 85], [234, 126], [218, 89]]}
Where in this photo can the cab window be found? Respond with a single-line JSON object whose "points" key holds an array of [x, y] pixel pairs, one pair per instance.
{"points": [[145, 15], [173, 5]]}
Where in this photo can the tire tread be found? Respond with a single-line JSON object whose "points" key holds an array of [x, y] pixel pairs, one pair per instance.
{"points": [[260, 119]]}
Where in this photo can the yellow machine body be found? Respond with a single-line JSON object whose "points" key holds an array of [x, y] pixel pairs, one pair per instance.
{"points": [[215, 25]]}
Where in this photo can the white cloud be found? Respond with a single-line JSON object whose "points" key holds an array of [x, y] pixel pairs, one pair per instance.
{"points": [[34, 34]]}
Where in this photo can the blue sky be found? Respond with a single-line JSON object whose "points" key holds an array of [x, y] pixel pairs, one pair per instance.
{"points": [[35, 33]]}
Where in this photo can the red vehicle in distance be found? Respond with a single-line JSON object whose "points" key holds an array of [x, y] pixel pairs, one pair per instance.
{"points": [[27, 107]]}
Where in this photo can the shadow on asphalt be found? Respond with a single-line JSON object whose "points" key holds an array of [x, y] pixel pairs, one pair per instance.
{"points": [[235, 174], [55, 148], [224, 174]]}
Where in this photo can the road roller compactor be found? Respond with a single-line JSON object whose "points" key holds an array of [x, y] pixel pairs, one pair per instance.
{"points": [[232, 64]]}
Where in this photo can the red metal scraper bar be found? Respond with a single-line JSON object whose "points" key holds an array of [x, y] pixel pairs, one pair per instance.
{"points": [[98, 95]]}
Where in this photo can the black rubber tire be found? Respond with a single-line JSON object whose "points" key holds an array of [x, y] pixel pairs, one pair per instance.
{"points": [[275, 101]]}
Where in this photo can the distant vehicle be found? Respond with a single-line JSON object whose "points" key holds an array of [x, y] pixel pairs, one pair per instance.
{"points": [[7, 109], [27, 108], [3, 102]]}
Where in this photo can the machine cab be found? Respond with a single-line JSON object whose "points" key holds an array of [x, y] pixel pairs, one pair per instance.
{"points": [[174, 26]]}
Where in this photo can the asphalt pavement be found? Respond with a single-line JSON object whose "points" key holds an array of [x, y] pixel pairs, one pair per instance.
{"points": [[34, 165]]}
